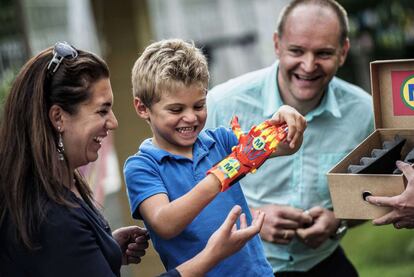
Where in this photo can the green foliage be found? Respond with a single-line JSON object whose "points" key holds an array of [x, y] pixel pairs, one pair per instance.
{"points": [[380, 251], [5, 87]]}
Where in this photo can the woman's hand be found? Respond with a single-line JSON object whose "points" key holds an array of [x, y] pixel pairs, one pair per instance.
{"points": [[133, 241]]}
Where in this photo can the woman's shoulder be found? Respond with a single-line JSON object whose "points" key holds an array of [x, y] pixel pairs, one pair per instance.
{"points": [[62, 220], [56, 230], [67, 237]]}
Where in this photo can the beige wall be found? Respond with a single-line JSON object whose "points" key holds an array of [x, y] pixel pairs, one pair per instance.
{"points": [[125, 32]]}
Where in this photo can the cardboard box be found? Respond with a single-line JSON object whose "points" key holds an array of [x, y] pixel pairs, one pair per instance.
{"points": [[392, 85]]}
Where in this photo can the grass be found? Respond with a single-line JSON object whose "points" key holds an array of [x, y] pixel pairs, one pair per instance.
{"points": [[380, 250]]}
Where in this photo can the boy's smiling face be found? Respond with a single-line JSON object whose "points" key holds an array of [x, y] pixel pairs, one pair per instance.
{"points": [[178, 118]]}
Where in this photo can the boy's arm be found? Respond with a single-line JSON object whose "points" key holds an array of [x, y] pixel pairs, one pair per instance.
{"points": [[253, 149], [168, 219], [296, 125]]}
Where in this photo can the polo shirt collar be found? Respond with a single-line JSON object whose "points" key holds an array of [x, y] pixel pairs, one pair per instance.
{"points": [[328, 104], [201, 148], [149, 148]]}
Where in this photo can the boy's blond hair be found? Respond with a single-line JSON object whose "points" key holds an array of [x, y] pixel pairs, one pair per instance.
{"points": [[165, 64]]}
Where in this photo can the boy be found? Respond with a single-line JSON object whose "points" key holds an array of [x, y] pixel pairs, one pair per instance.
{"points": [[166, 180]]}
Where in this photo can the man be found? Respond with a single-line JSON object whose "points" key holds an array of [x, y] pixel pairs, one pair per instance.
{"points": [[311, 43]]}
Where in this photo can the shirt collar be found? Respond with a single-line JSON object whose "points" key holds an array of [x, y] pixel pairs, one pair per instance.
{"points": [[202, 146], [328, 104], [271, 94], [271, 91]]}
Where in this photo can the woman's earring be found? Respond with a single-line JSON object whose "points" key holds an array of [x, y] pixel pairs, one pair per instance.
{"points": [[60, 147]]}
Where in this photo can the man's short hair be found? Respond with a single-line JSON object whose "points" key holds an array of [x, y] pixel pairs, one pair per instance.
{"points": [[332, 4]]}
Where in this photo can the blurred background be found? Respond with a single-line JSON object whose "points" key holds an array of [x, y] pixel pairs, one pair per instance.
{"points": [[236, 36]]}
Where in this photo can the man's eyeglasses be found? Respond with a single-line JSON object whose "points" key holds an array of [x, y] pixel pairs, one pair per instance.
{"points": [[62, 50]]}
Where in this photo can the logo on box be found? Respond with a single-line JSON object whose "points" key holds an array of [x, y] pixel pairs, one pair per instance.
{"points": [[403, 92]]}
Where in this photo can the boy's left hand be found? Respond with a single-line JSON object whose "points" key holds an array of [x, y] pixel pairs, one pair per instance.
{"points": [[296, 127]]}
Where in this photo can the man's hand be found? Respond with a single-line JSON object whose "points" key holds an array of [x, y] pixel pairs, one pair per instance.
{"points": [[324, 225], [281, 222], [133, 241], [402, 214]]}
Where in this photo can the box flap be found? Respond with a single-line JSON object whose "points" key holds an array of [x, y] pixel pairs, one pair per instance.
{"points": [[392, 86]]}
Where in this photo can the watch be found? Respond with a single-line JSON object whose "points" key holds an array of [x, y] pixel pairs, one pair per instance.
{"points": [[340, 231]]}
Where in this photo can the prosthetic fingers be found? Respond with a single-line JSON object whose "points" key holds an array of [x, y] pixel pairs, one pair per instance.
{"points": [[251, 152]]}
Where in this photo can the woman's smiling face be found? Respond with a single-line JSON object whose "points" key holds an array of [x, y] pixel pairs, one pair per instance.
{"points": [[84, 131]]}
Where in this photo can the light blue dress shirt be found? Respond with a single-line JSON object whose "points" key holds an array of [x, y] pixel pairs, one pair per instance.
{"points": [[340, 122]]}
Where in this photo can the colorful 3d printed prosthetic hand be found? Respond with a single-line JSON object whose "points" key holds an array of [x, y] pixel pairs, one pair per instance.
{"points": [[251, 152]]}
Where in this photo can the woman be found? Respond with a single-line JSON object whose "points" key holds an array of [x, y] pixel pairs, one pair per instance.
{"points": [[57, 113]]}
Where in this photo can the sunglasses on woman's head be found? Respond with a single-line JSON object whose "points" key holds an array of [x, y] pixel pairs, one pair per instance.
{"points": [[62, 50]]}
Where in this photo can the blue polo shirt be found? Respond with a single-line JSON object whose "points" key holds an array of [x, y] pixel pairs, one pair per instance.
{"points": [[337, 125], [153, 170]]}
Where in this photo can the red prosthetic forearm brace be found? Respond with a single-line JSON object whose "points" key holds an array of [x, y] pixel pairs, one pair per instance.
{"points": [[251, 152]]}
